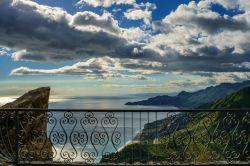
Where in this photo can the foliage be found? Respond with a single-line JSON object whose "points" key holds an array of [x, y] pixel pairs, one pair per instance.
{"points": [[200, 137]]}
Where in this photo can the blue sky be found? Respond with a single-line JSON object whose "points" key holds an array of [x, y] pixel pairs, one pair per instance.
{"points": [[117, 47]]}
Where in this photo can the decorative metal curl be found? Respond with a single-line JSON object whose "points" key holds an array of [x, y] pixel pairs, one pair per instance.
{"points": [[183, 137], [110, 121], [89, 121], [70, 120]]}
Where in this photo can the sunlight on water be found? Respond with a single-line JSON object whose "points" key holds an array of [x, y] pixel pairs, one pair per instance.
{"points": [[128, 132], [77, 148], [100, 103], [6, 99]]}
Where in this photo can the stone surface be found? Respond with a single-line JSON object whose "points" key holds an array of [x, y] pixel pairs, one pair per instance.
{"points": [[38, 98], [33, 142]]}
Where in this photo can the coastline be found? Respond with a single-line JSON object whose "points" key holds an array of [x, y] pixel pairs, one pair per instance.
{"points": [[131, 141], [55, 103]]}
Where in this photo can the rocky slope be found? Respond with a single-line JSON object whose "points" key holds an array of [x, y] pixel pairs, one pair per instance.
{"points": [[38, 98], [193, 99], [33, 142]]}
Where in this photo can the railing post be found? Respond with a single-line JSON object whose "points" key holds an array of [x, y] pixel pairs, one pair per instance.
{"points": [[17, 138]]}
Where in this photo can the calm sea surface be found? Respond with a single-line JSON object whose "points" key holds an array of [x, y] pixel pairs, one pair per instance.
{"points": [[126, 125]]}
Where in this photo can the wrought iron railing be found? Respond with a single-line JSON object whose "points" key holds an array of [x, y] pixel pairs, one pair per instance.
{"points": [[33, 136]]}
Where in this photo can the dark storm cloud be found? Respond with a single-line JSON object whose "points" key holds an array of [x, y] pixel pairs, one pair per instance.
{"points": [[220, 62], [210, 25], [41, 33], [213, 25]]}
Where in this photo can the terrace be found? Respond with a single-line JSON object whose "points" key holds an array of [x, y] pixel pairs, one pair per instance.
{"points": [[98, 137]]}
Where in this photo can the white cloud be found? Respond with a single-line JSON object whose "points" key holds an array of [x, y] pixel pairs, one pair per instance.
{"points": [[115, 10], [19, 54], [139, 14], [4, 51], [142, 11], [194, 18], [105, 3], [193, 38], [229, 4], [53, 35], [100, 22], [221, 77], [99, 68], [146, 6], [136, 34]]}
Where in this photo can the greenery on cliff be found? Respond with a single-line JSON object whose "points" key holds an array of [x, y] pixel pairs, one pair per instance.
{"points": [[239, 99], [203, 136]]}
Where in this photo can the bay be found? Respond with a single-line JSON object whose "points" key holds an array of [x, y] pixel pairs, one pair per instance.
{"points": [[126, 126]]}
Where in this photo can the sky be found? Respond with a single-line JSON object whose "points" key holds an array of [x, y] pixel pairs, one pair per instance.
{"points": [[118, 47]]}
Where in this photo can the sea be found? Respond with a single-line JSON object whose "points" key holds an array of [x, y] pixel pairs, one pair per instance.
{"points": [[83, 143]]}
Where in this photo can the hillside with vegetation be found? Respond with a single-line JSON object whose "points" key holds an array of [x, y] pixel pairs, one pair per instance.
{"points": [[194, 137]]}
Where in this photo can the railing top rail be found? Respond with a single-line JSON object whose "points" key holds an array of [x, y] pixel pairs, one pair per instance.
{"points": [[35, 136], [126, 110]]}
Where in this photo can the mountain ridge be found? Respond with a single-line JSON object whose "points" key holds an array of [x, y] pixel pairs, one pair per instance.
{"points": [[195, 99], [211, 125], [239, 99]]}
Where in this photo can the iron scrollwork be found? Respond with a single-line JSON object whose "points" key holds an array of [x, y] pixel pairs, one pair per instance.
{"points": [[93, 137]]}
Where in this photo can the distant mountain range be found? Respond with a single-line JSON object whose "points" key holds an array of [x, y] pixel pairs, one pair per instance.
{"points": [[219, 130], [193, 99]]}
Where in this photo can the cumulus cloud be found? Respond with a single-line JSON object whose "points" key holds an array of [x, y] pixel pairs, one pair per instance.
{"points": [[139, 14], [42, 33], [220, 77], [228, 4], [192, 16], [105, 21], [4, 51], [146, 6], [193, 38], [105, 3], [99, 68], [75, 70], [142, 11]]}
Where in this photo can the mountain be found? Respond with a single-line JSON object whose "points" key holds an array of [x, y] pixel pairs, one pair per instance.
{"points": [[207, 136], [194, 99], [239, 99]]}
